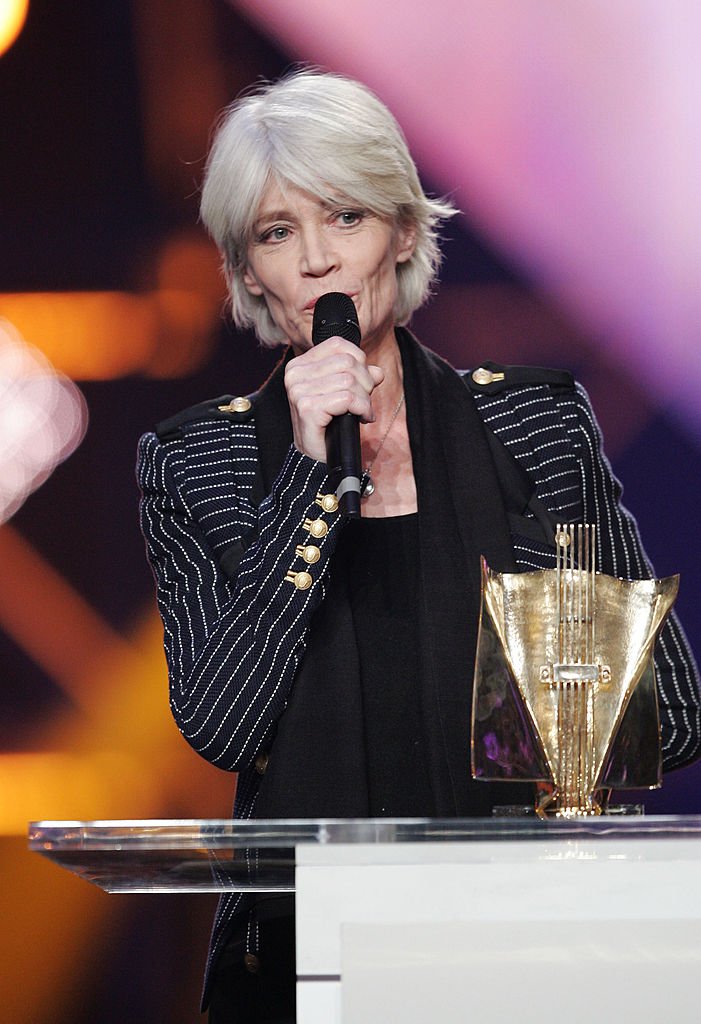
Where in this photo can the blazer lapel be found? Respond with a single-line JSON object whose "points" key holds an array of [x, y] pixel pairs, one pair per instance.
{"points": [[443, 419], [461, 516]]}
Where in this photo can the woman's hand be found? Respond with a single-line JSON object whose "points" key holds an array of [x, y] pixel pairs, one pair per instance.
{"points": [[326, 381]]}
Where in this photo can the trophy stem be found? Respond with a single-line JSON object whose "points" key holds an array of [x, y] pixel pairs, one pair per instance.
{"points": [[576, 674]]}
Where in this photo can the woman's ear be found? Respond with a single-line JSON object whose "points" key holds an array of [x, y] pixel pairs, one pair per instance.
{"points": [[406, 242], [251, 282]]}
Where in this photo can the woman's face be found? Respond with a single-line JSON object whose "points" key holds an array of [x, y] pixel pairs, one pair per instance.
{"points": [[303, 247]]}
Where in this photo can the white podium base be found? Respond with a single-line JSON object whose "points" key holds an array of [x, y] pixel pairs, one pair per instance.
{"points": [[541, 931]]}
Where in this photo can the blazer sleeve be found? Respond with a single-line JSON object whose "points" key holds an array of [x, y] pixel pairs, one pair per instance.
{"points": [[232, 644], [621, 553]]}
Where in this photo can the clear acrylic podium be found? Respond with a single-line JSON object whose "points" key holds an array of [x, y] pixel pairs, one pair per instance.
{"points": [[420, 920]]}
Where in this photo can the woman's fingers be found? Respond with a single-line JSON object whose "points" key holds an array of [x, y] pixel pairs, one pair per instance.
{"points": [[328, 380]]}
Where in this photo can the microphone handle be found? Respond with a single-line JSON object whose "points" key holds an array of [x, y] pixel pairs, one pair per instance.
{"points": [[343, 460], [335, 314]]}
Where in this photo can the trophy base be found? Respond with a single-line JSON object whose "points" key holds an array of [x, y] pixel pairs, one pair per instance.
{"points": [[528, 811]]}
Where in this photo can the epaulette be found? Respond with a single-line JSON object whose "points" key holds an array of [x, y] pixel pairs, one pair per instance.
{"points": [[226, 407], [491, 378]]}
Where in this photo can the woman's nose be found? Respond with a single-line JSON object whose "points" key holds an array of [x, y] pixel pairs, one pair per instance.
{"points": [[318, 255]]}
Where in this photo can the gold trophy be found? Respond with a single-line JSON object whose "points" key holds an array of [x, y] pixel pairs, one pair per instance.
{"points": [[564, 690]]}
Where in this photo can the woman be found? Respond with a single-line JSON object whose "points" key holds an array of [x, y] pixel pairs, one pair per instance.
{"points": [[329, 662]]}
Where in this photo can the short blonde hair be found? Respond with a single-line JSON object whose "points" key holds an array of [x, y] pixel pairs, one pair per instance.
{"points": [[330, 136]]}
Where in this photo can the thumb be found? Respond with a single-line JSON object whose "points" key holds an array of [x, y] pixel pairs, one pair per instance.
{"points": [[377, 374]]}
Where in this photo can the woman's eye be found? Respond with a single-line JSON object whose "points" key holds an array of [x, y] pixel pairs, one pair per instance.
{"points": [[348, 218], [276, 234]]}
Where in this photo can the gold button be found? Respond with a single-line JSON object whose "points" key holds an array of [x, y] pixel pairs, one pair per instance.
{"points": [[484, 376], [317, 527], [302, 580], [251, 963], [240, 404], [329, 502], [261, 763], [309, 552]]}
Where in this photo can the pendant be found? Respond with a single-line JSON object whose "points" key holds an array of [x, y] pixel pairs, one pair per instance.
{"points": [[368, 485]]}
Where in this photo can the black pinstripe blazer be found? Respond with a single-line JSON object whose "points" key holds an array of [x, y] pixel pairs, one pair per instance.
{"points": [[235, 627]]}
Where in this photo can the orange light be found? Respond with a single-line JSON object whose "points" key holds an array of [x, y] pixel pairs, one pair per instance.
{"points": [[163, 332], [106, 335], [70, 785], [13, 14]]}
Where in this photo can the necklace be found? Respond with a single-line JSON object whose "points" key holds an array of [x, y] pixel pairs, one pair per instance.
{"points": [[367, 485]]}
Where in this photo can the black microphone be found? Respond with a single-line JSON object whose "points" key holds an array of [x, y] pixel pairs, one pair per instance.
{"points": [[335, 315]]}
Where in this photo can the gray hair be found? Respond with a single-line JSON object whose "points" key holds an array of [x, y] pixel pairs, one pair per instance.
{"points": [[329, 136]]}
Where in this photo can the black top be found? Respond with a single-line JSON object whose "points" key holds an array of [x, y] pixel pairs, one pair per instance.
{"points": [[378, 559]]}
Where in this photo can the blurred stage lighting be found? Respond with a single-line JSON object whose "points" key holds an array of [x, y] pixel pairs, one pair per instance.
{"points": [[43, 419], [12, 17]]}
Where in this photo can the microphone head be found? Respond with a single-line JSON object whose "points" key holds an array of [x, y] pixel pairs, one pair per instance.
{"points": [[335, 315]]}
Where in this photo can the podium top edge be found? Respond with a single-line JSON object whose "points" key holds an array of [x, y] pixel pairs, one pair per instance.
{"points": [[212, 833]]}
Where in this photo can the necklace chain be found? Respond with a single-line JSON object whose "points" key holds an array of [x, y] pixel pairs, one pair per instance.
{"points": [[367, 484]]}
